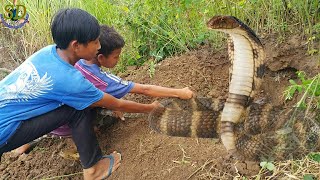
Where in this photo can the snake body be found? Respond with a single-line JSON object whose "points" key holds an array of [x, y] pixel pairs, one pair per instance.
{"points": [[247, 55], [248, 128]]}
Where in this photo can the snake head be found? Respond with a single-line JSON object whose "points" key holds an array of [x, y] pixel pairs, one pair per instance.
{"points": [[223, 22], [232, 25]]}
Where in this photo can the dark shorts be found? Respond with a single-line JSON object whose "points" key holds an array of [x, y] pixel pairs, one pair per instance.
{"points": [[81, 126]]}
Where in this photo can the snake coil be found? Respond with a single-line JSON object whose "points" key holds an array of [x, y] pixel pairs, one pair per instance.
{"points": [[248, 128]]}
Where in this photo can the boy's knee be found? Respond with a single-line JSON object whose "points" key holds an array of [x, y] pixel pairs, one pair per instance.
{"points": [[81, 116]]}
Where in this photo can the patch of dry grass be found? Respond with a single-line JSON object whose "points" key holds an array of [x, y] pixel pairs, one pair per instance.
{"points": [[306, 169], [296, 169]]}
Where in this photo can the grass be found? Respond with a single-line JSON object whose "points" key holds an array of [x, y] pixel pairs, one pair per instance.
{"points": [[306, 169], [62, 176], [297, 169], [167, 29], [185, 159]]}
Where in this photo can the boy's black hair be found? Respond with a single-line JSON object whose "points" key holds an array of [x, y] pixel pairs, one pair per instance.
{"points": [[110, 40], [74, 24]]}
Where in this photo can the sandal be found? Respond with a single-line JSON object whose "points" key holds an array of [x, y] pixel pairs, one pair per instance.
{"points": [[111, 164]]}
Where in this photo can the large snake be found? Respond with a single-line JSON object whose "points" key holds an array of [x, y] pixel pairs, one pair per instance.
{"points": [[248, 128]]}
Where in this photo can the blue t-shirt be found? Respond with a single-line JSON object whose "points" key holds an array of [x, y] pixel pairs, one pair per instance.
{"points": [[39, 85], [104, 81]]}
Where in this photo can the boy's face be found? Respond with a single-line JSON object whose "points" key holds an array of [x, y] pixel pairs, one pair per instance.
{"points": [[111, 60], [89, 50]]}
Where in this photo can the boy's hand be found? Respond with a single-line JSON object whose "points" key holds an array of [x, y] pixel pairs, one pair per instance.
{"points": [[185, 93], [157, 104], [119, 115]]}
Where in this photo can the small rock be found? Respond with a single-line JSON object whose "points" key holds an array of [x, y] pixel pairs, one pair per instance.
{"points": [[241, 167], [253, 166]]}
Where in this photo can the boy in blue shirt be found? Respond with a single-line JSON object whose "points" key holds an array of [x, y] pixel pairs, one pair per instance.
{"points": [[46, 92], [108, 56]]}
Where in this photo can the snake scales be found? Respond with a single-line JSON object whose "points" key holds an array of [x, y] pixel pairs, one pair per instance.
{"points": [[248, 128]]}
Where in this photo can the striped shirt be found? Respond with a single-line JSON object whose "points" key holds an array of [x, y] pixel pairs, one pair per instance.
{"points": [[104, 81]]}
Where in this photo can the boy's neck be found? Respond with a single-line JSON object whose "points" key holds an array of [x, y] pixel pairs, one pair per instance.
{"points": [[92, 61], [67, 56]]}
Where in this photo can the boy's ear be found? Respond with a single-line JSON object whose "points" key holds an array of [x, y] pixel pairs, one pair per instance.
{"points": [[74, 44], [100, 57]]}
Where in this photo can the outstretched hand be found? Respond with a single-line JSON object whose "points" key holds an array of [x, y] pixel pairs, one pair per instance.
{"points": [[186, 93], [157, 105], [118, 114]]}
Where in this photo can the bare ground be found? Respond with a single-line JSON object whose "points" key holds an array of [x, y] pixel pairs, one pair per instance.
{"points": [[148, 155]]}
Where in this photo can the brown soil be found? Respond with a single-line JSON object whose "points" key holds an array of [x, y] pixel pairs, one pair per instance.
{"points": [[148, 155]]}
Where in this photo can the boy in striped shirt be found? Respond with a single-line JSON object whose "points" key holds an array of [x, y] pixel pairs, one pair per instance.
{"points": [[108, 56]]}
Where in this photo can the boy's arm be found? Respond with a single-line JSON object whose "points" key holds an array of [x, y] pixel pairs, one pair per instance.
{"points": [[112, 103], [159, 91]]}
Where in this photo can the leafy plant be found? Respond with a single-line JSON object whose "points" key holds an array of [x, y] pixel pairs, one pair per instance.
{"points": [[315, 31], [267, 165], [152, 69], [309, 87], [308, 177], [314, 157]]}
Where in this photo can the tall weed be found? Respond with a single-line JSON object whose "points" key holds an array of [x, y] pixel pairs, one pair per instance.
{"points": [[155, 29]]}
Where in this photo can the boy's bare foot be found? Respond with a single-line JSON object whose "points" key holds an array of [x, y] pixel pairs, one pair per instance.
{"points": [[103, 168]]}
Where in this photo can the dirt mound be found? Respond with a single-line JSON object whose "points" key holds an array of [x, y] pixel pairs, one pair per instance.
{"points": [[147, 155]]}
